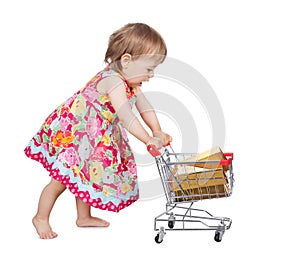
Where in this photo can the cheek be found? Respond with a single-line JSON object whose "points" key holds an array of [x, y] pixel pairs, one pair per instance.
{"points": [[141, 74], [137, 73]]}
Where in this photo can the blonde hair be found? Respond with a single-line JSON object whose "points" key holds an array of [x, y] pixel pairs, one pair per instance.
{"points": [[135, 39]]}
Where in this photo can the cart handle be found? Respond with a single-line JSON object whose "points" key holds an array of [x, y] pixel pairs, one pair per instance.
{"points": [[152, 149], [229, 158]]}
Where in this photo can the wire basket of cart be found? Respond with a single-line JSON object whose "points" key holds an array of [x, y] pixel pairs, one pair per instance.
{"points": [[187, 178]]}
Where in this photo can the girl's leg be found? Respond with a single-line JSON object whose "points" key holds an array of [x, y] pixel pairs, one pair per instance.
{"points": [[47, 199], [84, 218]]}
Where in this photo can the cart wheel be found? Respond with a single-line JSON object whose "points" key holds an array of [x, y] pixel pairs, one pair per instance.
{"points": [[157, 240], [160, 235], [218, 236], [171, 223]]}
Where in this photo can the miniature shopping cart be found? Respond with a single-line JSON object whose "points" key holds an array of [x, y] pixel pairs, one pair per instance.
{"points": [[185, 182]]}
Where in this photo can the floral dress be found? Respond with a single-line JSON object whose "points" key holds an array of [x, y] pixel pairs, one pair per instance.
{"points": [[83, 145]]}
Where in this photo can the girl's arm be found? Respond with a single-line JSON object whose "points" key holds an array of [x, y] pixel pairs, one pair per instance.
{"points": [[146, 111], [148, 115], [114, 87]]}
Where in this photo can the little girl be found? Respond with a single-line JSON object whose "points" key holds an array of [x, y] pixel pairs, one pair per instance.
{"points": [[83, 144]]}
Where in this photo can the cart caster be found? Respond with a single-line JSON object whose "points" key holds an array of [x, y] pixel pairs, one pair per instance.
{"points": [[160, 235], [220, 231], [171, 224], [218, 236], [171, 221]]}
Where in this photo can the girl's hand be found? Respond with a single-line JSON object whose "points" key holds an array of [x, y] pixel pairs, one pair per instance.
{"points": [[166, 138], [157, 142]]}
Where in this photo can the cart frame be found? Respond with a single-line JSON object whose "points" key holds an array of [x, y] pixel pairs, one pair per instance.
{"points": [[180, 213]]}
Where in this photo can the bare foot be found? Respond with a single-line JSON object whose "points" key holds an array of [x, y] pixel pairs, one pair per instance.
{"points": [[92, 222], [43, 228]]}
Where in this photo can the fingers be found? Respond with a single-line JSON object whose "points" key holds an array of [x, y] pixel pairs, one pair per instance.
{"points": [[166, 138], [157, 142]]}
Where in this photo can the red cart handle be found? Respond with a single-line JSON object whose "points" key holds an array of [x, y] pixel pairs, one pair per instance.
{"points": [[152, 149], [229, 158]]}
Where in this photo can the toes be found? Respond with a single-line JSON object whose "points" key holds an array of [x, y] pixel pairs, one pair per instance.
{"points": [[103, 223], [44, 236], [54, 235], [48, 235], [106, 223], [92, 222]]}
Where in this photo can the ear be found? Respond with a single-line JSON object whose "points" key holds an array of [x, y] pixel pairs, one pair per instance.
{"points": [[125, 60]]}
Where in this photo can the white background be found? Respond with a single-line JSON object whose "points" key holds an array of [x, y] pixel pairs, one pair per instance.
{"points": [[247, 50]]}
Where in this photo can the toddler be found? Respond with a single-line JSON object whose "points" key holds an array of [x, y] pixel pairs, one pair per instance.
{"points": [[83, 143]]}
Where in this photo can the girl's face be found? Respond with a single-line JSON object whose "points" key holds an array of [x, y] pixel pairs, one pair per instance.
{"points": [[138, 71]]}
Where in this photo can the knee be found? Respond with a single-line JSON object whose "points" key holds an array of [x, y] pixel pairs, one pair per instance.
{"points": [[57, 185]]}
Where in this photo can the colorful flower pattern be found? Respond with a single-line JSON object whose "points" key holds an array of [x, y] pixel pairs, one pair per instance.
{"points": [[83, 145]]}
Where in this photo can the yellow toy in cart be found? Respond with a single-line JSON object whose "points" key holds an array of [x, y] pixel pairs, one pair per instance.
{"points": [[214, 154], [203, 180]]}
